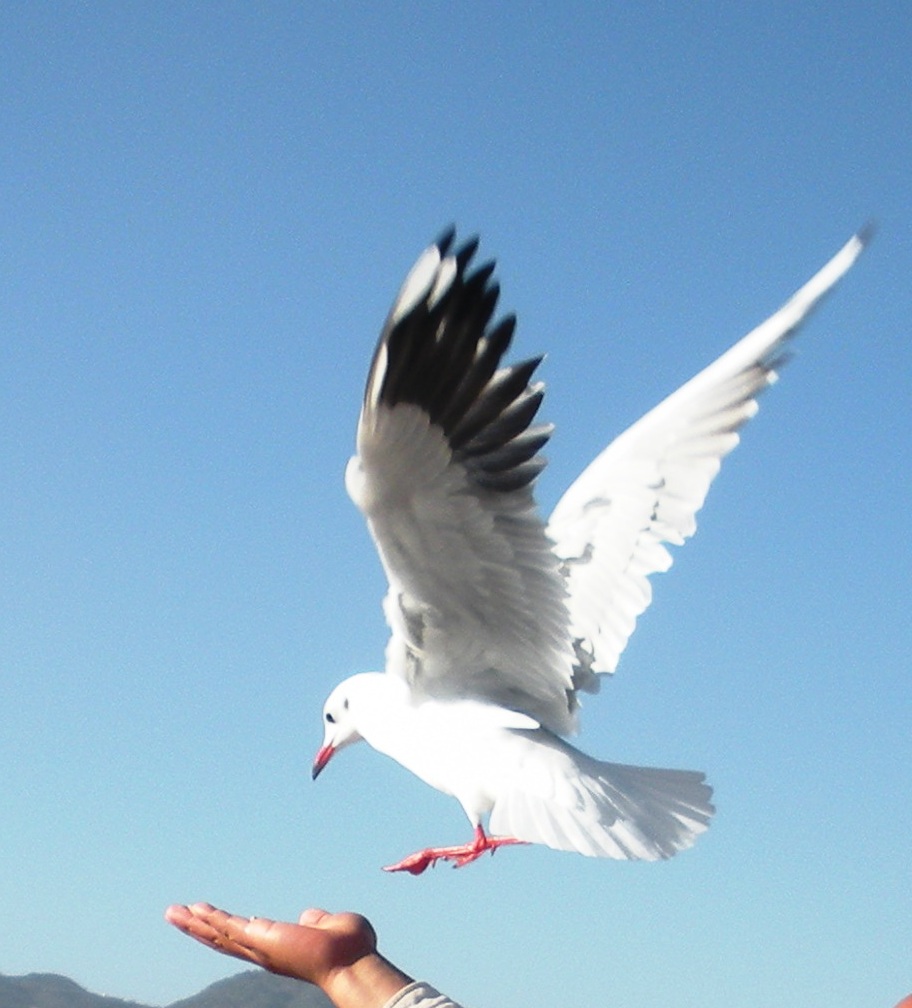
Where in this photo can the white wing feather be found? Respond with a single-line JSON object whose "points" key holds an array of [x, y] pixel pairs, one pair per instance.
{"points": [[611, 527], [567, 800]]}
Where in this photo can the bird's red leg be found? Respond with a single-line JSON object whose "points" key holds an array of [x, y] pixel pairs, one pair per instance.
{"points": [[461, 855]]}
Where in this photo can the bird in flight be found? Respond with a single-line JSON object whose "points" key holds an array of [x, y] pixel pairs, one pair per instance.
{"points": [[499, 619]]}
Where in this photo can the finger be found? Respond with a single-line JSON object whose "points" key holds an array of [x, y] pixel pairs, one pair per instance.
{"points": [[209, 913], [213, 928], [313, 917], [187, 920], [232, 926], [177, 914]]}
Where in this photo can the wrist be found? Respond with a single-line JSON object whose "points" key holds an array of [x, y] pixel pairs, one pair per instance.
{"points": [[368, 982]]}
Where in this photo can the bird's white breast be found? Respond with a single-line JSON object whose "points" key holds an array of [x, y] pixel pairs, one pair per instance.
{"points": [[463, 748]]}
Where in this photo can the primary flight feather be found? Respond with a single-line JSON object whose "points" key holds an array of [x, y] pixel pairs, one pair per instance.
{"points": [[498, 619]]}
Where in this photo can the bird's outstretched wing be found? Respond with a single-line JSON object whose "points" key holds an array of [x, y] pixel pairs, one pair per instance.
{"points": [[447, 456], [644, 490]]}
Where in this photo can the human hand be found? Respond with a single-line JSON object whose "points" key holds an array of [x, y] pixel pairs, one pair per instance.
{"points": [[335, 951]]}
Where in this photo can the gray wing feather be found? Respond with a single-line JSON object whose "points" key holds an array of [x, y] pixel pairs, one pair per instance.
{"points": [[447, 458]]}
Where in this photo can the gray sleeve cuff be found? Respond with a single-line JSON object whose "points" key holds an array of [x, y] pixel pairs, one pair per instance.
{"points": [[419, 995]]}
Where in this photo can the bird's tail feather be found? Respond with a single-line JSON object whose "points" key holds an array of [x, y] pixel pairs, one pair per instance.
{"points": [[605, 809]]}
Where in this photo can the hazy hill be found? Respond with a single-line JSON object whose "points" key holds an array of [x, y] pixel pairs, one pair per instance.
{"points": [[253, 989]]}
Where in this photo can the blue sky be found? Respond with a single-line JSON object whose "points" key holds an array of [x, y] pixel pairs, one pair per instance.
{"points": [[208, 209]]}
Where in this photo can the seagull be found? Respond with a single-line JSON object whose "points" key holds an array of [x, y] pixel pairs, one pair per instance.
{"points": [[498, 620]]}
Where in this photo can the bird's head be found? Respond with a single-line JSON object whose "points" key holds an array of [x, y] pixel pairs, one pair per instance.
{"points": [[340, 718]]}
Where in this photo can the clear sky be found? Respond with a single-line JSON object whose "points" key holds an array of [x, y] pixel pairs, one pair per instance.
{"points": [[207, 210]]}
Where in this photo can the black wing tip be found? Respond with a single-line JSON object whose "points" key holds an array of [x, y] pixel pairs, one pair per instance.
{"points": [[465, 252], [445, 239], [865, 234], [446, 245], [444, 348]]}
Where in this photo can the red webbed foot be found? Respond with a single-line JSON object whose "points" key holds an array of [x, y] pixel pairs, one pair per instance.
{"points": [[460, 855]]}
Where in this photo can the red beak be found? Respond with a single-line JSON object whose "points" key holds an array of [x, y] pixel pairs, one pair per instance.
{"points": [[321, 759]]}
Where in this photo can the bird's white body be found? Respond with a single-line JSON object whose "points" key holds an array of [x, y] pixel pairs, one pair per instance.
{"points": [[534, 785], [455, 746], [498, 619]]}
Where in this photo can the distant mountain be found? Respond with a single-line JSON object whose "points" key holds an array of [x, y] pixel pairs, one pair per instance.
{"points": [[253, 989], [47, 990]]}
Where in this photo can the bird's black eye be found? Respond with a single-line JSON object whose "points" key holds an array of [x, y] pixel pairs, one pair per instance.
{"points": [[330, 719]]}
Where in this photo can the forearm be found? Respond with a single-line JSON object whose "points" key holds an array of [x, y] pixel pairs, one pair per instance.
{"points": [[374, 982]]}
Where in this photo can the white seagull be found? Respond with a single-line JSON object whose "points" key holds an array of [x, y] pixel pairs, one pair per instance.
{"points": [[497, 619]]}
